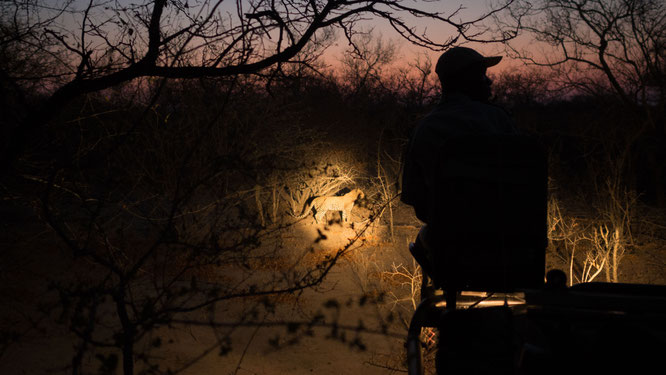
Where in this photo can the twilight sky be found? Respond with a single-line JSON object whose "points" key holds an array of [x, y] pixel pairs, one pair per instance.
{"points": [[436, 31]]}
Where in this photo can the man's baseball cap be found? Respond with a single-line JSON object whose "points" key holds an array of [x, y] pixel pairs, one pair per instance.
{"points": [[456, 59]]}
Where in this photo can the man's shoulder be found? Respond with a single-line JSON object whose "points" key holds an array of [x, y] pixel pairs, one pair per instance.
{"points": [[460, 116], [465, 108], [500, 109], [462, 103], [488, 107]]}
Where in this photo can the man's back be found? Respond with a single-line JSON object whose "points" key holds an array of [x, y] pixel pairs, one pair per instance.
{"points": [[457, 115]]}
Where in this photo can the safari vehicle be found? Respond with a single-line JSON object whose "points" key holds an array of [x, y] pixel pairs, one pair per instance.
{"points": [[485, 291]]}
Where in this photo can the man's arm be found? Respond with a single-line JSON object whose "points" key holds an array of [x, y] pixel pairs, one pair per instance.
{"points": [[414, 187]]}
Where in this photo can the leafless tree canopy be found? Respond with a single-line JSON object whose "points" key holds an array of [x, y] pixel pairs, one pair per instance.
{"points": [[597, 45], [68, 47]]}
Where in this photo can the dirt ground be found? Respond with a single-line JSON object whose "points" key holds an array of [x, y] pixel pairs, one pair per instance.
{"points": [[45, 345], [376, 266]]}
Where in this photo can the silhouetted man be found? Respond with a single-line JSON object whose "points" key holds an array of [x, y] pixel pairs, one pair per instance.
{"points": [[463, 110]]}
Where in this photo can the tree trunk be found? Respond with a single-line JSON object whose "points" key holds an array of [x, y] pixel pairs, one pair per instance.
{"points": [[616, 253], [128, 331]]}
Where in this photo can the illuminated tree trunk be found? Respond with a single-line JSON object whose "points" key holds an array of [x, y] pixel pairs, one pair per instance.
{"points": [[276, 203], [617, 253]]}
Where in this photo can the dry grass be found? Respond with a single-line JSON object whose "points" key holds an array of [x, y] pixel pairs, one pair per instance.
{"points": [[274, 262]]}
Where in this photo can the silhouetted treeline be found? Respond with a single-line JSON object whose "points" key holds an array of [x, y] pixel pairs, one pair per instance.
{"points": [[251, 123]]}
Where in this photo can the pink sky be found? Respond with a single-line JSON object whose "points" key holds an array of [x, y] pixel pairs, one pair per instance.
{"points": [[407, 52], [436, 31]]}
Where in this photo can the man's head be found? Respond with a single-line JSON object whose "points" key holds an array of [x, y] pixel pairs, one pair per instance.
{"points": [[462, 69]]}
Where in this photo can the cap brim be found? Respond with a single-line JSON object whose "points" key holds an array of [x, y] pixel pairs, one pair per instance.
{"points": [[492, 60]]}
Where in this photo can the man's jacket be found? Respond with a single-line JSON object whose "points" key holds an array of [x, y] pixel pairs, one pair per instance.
{"points": [[456, 115]]}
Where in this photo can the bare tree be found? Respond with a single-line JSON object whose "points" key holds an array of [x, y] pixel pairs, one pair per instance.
{"points": [[612, 51], [416, 82], [524, 88], [598, 45], [94, 45], [364, 65]]}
